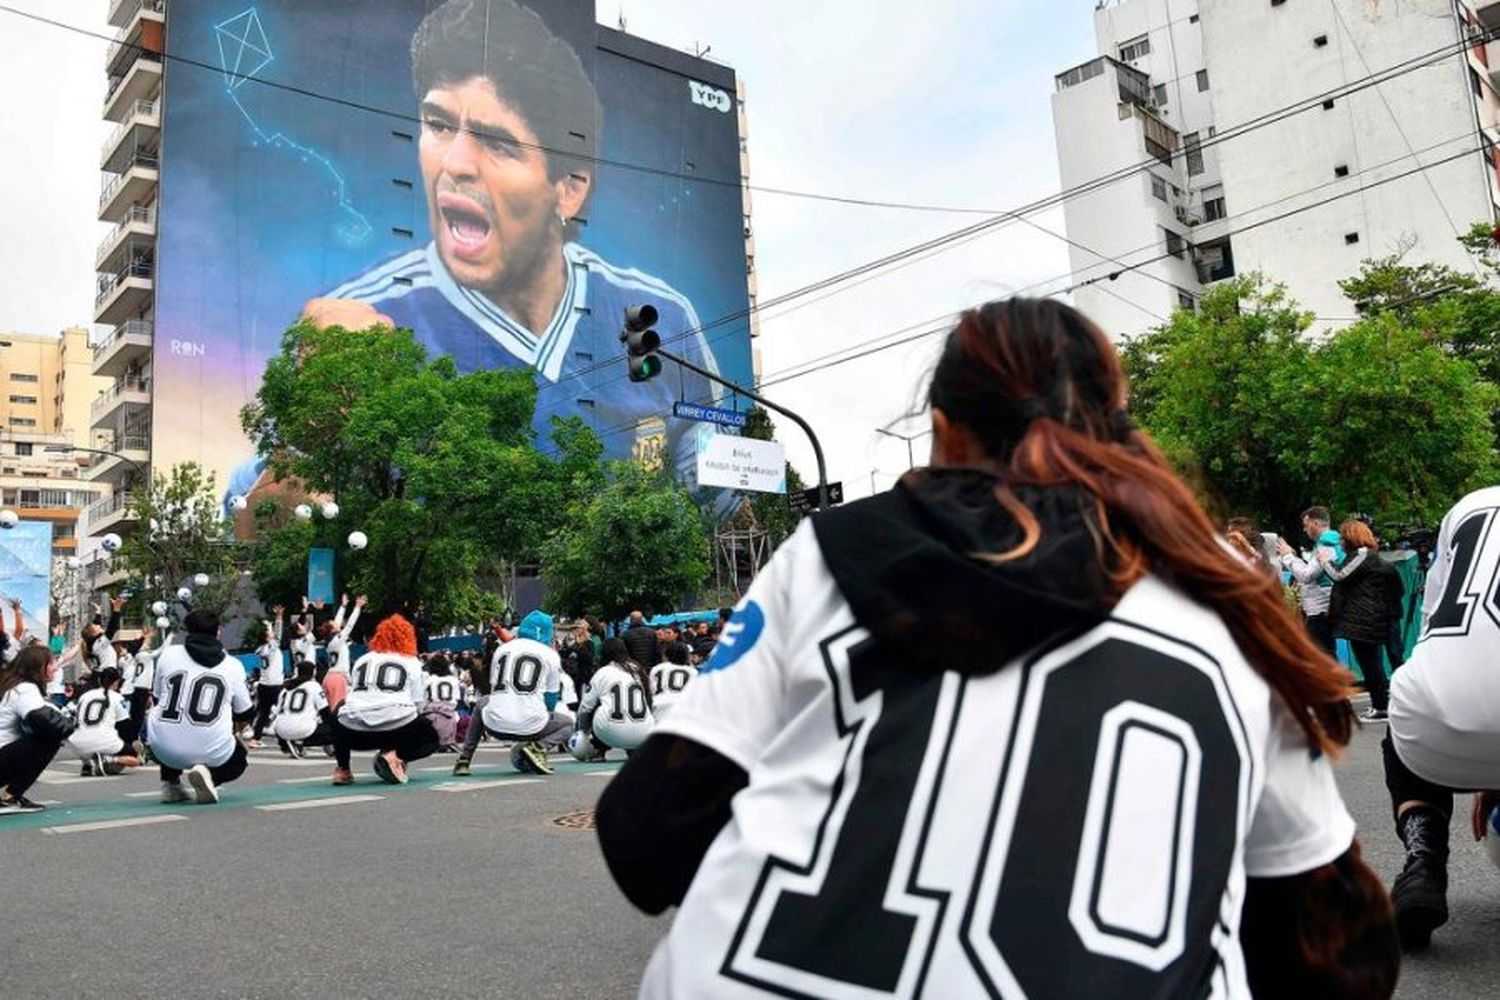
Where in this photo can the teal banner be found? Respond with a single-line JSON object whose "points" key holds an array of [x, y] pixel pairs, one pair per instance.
{"points": [[320, 575]]}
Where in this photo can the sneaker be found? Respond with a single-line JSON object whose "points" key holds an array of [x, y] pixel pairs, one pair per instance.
{"points": [[530, 758], [20, 804], [174, 792], [1420, 893], [343, 776], [461, 768], [1373, 714], [297, 751], [203, 784], [138, 750], [96, 764], [87, 770], [390, 768], [112, 767]]}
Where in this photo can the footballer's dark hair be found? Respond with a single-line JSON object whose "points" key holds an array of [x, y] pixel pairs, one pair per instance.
{"points": [[201, 622], [1042, 390], [440, 665], [30, 665], [531, 69], [306, 670], [677, 653], [108, 677], [615, 651]]}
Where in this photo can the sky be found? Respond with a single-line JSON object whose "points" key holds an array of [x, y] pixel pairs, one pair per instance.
{"points": [[944, 102]]}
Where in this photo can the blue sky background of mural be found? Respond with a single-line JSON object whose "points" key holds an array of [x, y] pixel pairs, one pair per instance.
{"points": [[270, 197], [26, 572]]}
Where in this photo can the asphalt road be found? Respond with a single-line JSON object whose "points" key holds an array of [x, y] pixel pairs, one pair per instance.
{"points": [[443, 888]]}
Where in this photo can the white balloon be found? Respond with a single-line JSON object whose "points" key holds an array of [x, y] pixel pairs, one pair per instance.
{"points": [[162, 621], [358, 540], [303, 512], [111, 542], [74, 562], [159, 607], [184, 594], [9, 519], [238, 502], [200, 580], [330, 510]]}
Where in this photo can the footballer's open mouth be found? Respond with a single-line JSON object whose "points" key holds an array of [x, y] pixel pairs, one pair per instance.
{"points": [[466, 225]]}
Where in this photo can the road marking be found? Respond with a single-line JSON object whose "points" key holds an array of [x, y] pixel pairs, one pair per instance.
{"points": [[474, 786], [74, 780], [600, 774], [113, 824], [304, 781], [141, 795], [449, 767], [287, 762], [337, 800]]}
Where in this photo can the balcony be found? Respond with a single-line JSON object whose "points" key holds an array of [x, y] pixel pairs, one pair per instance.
{"points": [[123, 12], [136, 185], [123, 348], [1489, 14], [141, 81], [125, 393], [110, 514], [130, 448], [139, 130], [133, 233], [125, 293]]}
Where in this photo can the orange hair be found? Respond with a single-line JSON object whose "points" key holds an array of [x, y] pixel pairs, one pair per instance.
{"points": [[1357, 535], [394, 635]]}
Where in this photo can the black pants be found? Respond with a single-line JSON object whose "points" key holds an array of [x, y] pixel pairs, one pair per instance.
{"points": [[1404, 786], [222, 774], [22, 760], [265, 700], [130, 729], [413, 741], [321, 737], [1320, 627], [1368, 656]]}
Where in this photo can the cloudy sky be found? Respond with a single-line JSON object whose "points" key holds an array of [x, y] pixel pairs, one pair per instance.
{"points": [[944, 102]]}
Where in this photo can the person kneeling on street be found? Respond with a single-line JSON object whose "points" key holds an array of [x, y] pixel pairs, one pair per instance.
{"points": [[201, 701], [525, 688], [103, 722], [32, 730], [380, 711]]}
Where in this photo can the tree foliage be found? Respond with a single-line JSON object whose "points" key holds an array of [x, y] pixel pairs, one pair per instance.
{"points": [[180, 533], [1380, 417], [771, 509], [439, 470], [637, 543]]}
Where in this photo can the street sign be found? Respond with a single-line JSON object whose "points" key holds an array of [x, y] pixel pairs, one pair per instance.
{"points": [[709, 414], [740, 463], [807, 500]]}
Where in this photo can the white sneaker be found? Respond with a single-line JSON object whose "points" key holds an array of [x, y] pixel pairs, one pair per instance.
{"points": [[203, 784], [174, 793]]}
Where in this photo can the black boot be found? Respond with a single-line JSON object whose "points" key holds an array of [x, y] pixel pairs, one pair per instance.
{"points": [[1421, 890]]}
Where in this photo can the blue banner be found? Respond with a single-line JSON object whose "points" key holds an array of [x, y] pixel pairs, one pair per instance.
{"points": [[320, 575]]}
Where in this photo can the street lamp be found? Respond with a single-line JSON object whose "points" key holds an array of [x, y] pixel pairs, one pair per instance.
{"points": [[66, 448], [911, 462]]}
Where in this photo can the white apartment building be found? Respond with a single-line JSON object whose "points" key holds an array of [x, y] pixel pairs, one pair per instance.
{"points": [[1304, 199]]}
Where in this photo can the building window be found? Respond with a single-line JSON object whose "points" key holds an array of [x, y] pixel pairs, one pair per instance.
{"points": [[1213, 209], [1186, 301], [1320, 41], [22, 422], [23, 448], [1159, 95], [1277, 3], [1341, 170], [1193, 19], [24, 377], [1158, 188], [1351, 238], [1202, 80], [1159, 151], [1192, 146], [24, 400], [1176, 245], [1135, 48]]}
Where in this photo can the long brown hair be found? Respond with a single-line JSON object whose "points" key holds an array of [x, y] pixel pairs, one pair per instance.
{"points": [[30, 664], [1042, 389], [1356, 535]]}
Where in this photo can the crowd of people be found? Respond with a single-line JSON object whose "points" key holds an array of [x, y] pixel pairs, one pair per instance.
{"points": [[189, 706]]}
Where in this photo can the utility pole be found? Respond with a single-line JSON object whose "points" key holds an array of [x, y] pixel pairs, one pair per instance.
{"points": [[911, 461]]}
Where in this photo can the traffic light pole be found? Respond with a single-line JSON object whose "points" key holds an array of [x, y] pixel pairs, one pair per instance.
{"points": [[763, 401]]}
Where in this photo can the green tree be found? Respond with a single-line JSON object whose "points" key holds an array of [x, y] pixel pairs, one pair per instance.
{"points": [[180, 533], [439, 470], [771, 509], [635, 544]]}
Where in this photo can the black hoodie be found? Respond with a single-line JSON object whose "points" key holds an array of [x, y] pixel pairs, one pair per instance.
{"points": [[206, 650]]}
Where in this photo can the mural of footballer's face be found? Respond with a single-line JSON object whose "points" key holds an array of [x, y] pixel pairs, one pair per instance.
{"points": [[494, 213]]}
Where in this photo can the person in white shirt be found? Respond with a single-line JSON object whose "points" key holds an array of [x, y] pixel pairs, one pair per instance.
{"points": [[98, 639], [200, 696], [1015, 727], [32, 730], [103, 717], [272, 674], [1314, 585], [525, 686], [380, 711], [301, 718], [669, 678], [335, 635], [441, 707], [138, 687], [616, 709], [303, 646]]}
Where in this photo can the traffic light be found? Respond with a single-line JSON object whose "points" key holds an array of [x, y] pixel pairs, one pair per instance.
{"points": [[641, 342]]}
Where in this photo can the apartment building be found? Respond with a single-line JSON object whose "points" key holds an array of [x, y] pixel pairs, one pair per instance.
{"points": [[1392, 149]]}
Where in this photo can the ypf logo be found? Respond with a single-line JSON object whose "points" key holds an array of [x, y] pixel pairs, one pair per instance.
{"points": [[709, 97]]}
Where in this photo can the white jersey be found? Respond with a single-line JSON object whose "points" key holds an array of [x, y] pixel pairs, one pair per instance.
{"points": [[272, 665], [17, 703], [667, 683], [144, 675], [297, 711], [103, 652], [384, 692], [443, 689], [522, 673], [622, 712], [1078, 822], [1445, 700], [567, 699], [192, 721], [98, 711], [304, 648]]}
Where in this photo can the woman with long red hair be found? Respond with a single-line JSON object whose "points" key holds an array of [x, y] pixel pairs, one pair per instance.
{"points": [[1016, 727]]}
